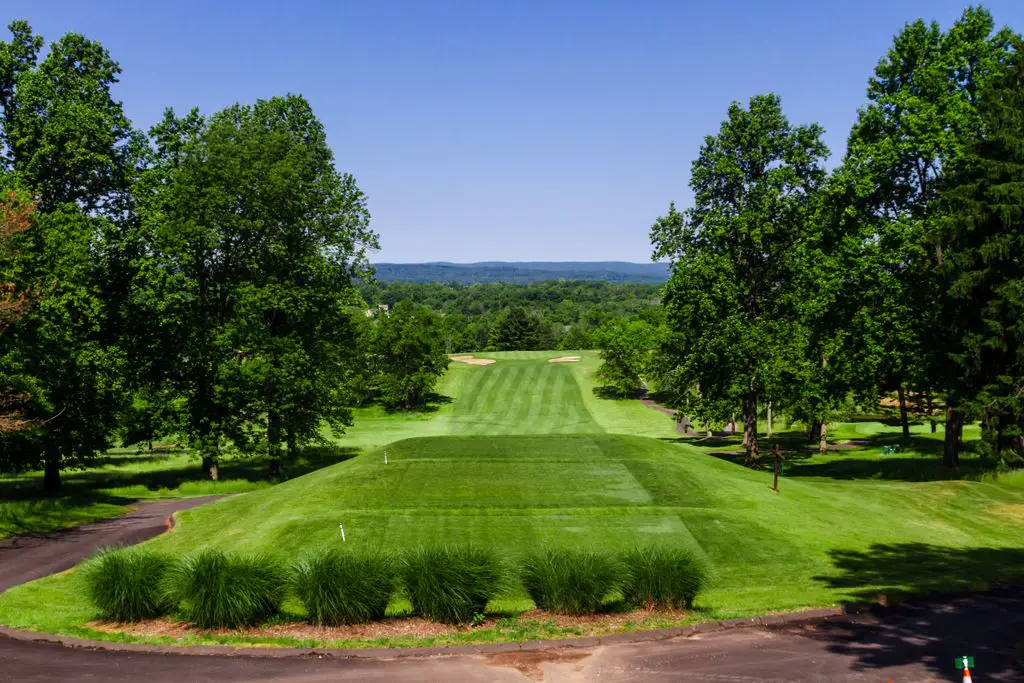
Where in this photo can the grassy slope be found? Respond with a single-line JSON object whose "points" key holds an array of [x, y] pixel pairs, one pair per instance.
{"points": [[824, 540]]}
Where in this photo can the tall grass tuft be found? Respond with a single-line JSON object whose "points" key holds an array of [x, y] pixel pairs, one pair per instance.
{"points": [[664, 575], [571, 581], [126, 584], [451, 583], [339, 587], [215, 590]]}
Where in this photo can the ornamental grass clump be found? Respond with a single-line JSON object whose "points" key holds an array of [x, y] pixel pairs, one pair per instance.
{"points": [[665, 576], [127, 584], [216, 590], [340, 587], [570, 581], [452, 583]]}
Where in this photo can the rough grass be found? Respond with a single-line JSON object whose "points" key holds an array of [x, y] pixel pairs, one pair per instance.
{"points": [[664, 576], [127, 584], [343, 587], [452, 583], [568, 581], [213, 589]]}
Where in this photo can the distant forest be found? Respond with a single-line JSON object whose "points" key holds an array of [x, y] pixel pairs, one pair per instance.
{"points": [[522, 272], [568, 314]]}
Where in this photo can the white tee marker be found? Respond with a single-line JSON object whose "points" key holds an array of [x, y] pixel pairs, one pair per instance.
{"points": [[385, 457], [342, 527]]}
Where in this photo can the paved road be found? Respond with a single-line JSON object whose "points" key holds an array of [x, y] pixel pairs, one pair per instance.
{"points": [[909, 644], [26, 558]]}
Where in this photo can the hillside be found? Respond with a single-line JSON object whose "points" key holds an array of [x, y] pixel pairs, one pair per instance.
{"points": [[522, 272]]}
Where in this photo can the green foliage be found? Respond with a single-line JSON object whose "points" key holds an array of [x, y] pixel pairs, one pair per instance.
{"points": [[213, 589], [663, 575], [343, 587], [627, 351], [451, 583], [410, 354], [731, 256], [127, 584], [569, 581], [516, 330], [983, 276]]}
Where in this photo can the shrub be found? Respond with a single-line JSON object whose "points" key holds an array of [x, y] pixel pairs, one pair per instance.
{"points": [[570, 581], [215, 590], [126, 584], [452, 583], [339, 587], [664, 576]]}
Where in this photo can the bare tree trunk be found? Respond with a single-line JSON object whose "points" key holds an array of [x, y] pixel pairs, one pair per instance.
{"points": [[770, 432], [814, 432], [954, 430], [750, 422], [51, 471], [823, 444], [903, 412]]}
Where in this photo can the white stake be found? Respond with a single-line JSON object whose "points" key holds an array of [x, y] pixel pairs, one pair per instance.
{"points": [[385, 457], [342, 527]]}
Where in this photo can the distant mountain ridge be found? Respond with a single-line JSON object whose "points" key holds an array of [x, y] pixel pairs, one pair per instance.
{"points": [[522, 272]]}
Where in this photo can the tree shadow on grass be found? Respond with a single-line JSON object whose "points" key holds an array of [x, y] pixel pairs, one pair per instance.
{"points": [[986, 626]]}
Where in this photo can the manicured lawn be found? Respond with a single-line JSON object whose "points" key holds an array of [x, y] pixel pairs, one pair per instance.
{"points": [[523, 453]]}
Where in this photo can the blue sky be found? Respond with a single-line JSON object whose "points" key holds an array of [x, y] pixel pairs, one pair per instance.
{"points": [[510, 129]]}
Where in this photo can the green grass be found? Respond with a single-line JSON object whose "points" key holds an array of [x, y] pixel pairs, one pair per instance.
{"points": [[342, 587], [127, 584], [571, 581], [452, 583], [845, 527], [213, 589], [664, 575]]}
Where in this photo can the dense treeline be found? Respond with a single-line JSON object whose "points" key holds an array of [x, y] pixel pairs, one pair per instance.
{"points": [[901, 270], [542, 315], [195, 280], [521, 273]]}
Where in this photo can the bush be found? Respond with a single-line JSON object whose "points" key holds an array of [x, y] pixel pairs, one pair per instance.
{"points": [[339, 587], [126, 584], [570, 581], [452, 583], [664, 576], [214, 590]]}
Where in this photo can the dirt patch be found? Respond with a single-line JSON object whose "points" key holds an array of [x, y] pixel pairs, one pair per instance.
{"points": [[589, 625], [470, 360], [528, 662], [565, 359], [1011, 511]]}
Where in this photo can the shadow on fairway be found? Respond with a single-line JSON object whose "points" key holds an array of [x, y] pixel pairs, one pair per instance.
{"points": [[985, 626]]}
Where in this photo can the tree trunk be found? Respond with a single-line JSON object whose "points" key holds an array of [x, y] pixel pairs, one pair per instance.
{"points": [[814, 432], [903, 412], [934, 425], [769, 432], [750, 422], [51, 471], [951, 445], [823, 444]]}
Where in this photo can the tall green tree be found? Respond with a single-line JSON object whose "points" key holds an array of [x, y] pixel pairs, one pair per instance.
{"points": [[256, 240], [752, 185], [921, 118], [981, 237], [409, 349], [627, 355], [67, 142]]}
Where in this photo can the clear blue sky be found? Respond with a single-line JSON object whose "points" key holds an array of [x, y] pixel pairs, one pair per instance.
{"points": [[508, 129]]}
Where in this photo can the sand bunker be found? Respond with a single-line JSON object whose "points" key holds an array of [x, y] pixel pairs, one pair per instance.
{"points": [[470, 360], [565, 359]]}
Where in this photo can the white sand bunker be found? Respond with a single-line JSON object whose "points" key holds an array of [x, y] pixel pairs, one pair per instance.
{"points": [[470, 360], [565, 359]]}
